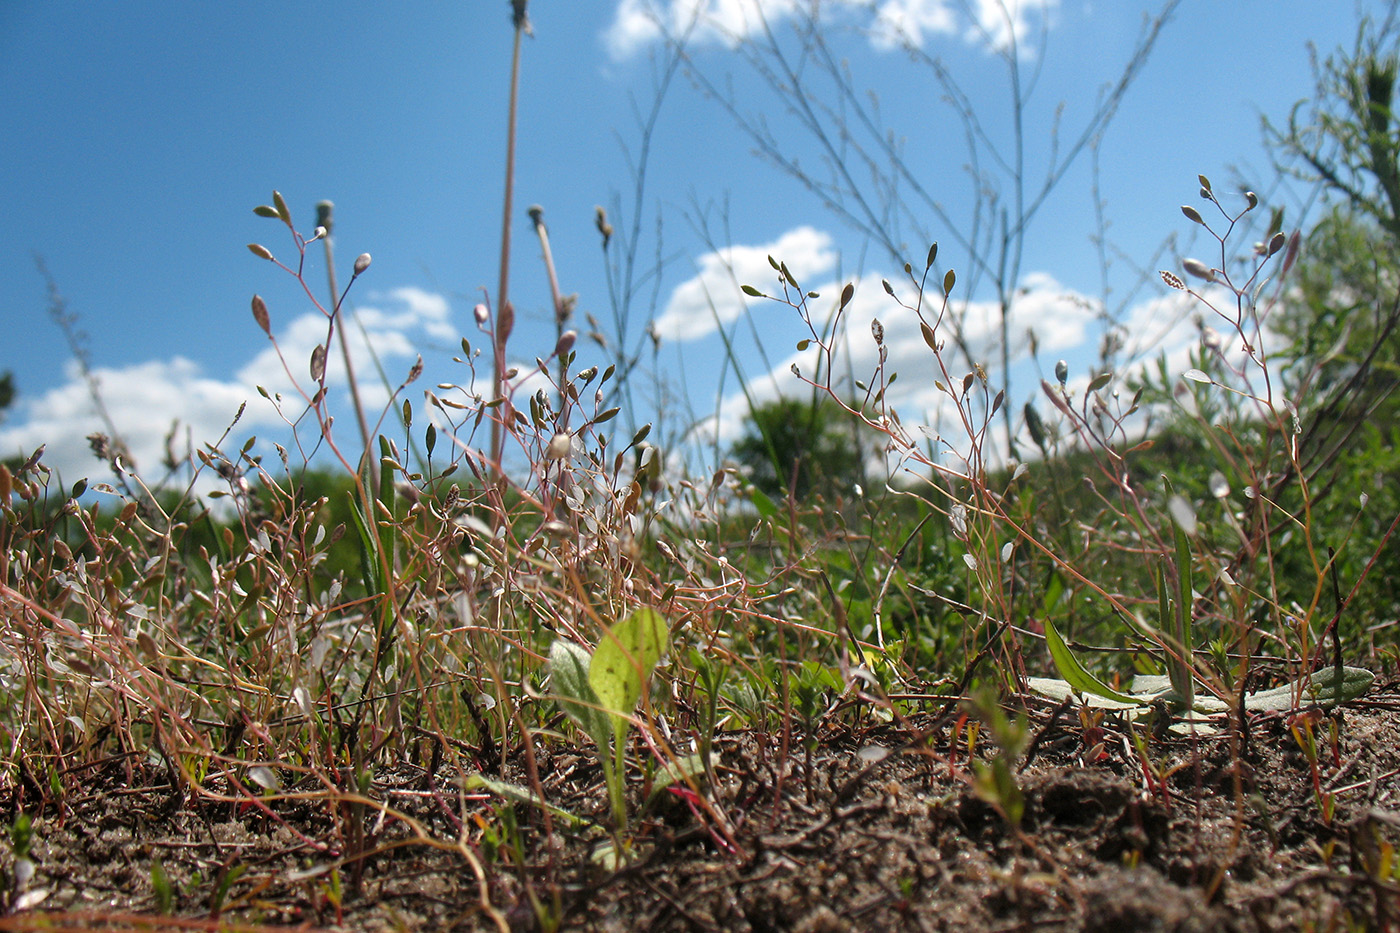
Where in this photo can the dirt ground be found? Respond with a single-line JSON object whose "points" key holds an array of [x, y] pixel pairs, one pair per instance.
{"points": [[879, 834]]}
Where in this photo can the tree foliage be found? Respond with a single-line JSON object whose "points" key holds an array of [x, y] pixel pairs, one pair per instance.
{"points": [[803, 447]]}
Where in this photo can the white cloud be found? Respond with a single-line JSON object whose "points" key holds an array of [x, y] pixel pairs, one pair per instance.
{"points": [[145, 399], [428, 309], [901, 21], [712, 298], [890, 24], [633, 28], [638, 23], [998, 22]]}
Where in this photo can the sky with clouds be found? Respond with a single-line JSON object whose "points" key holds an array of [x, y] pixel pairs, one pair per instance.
{"points": [[133, 150]]}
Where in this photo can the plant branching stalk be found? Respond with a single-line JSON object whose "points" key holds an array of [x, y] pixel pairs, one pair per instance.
{"points": [[325, 218]]}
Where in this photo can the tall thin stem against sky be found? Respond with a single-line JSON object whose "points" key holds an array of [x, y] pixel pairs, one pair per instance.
{"points": [[505, 314]]}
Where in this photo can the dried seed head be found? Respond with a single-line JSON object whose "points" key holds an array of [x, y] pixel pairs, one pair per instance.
{"points": [[362, 263], [1172, 280], [957, 517], [1061, 372], [605, 228], [481, 313], [1192, 214], [1251, 200]]}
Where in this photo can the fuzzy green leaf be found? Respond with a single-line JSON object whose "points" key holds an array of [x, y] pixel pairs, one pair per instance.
{"points": [[568, 673]]}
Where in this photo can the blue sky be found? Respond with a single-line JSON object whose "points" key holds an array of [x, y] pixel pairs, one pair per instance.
{"points": [[136, 138]]}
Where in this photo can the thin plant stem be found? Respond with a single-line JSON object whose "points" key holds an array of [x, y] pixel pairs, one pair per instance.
{"points": [[562, 309], [505, 315], [325, 218]]}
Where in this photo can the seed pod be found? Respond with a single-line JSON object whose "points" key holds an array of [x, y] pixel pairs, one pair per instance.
{"points": [[1199, 269], [260, 315], [559, 446]]}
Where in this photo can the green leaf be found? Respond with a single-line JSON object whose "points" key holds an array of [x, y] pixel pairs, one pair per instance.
{"points": [[517, 794], [1324, 688], [751, 291], [369, 551], [765, 506], [623, 662], [1099, 381], [681, 769], [568, 674], [1179, 668], [1075, 674]]}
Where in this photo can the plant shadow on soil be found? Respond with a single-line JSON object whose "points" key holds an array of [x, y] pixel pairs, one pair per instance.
{"points": [[905, 844]]}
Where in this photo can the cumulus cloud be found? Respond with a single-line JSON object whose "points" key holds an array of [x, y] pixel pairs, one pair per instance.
{"points": [[146, 399], [911, 21], [890, 24], [701, 305]]}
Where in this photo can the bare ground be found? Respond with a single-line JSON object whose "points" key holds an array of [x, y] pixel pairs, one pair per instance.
{"points": [[1197, 834]]}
